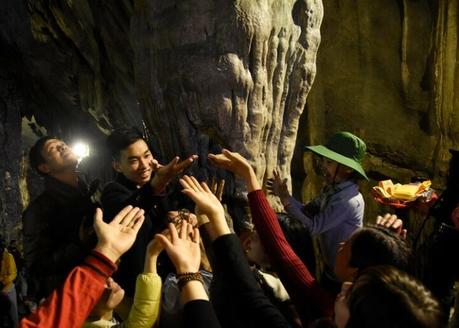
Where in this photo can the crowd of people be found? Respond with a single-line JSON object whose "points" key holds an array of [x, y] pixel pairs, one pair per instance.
{"points": [[141, 256]]}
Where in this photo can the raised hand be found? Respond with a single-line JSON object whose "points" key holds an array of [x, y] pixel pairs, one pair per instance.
{"points": [[278, 186], [116, 237], [182, 247], [392, 222], [203, 197], [154, 248], [208, 204], [237, 164], [231, 161], [217, 187], [165, 173]]}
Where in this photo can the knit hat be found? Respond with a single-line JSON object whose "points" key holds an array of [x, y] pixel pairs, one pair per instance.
{"points": [[344, 148]]}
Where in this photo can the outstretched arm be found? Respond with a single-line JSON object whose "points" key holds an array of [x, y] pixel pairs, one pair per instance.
{"points": [[165, 173], [83, 287], [145, 309], [237, 164], [183, 249], [230, 262], [296, 277]]}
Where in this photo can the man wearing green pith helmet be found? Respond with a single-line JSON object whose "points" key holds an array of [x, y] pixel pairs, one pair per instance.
{"points": [[338, 210]]}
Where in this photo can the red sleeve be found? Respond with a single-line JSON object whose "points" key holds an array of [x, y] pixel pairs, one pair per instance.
{"points": [[70, 304], [302, 287]]}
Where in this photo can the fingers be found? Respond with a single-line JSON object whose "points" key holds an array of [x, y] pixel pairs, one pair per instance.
{"points": [[187, 183], [230, 155], [164, 241], [179, 167], [404, 233], [184, 227], [138, 224], [132, 215], [120, 216], [196, 236], [391, 221], [98, 217], [205, 187], [219, 160], [196, 185], [174, 234], [213, 185], [387, 220], [173, 162], [220, 188]]}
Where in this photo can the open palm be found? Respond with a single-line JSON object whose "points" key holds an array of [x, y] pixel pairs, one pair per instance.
{"points": [[116, 237], [203, 197]]}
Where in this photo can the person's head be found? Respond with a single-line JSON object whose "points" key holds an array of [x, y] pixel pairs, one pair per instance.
{"points": [[299, 238], [342, 157], [383, 296], [131, 155], [370, 246], [110, 299], [255, 251], [51, 156]]}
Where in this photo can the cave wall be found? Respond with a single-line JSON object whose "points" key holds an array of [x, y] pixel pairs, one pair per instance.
{"points": [[10, 148], [387, 71], [196, 75]]}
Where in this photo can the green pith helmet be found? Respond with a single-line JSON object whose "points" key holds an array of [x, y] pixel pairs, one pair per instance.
{"points": [[344, 148]]}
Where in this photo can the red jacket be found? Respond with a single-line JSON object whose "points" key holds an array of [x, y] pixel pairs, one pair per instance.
{"points": [[69, 305], [303, 288]]}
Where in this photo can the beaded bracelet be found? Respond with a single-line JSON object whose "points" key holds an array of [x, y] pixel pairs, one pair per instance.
{"points": [[186, 277]]}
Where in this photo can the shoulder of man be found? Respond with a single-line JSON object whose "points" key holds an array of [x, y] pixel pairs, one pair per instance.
{"points": [[41, 205]]}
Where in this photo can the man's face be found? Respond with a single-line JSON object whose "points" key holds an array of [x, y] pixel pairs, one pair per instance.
{"points": [[136, 163], [58, 157], [333, 172]]}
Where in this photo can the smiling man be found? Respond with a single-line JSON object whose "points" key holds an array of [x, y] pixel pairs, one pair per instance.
{"points": [[54, 221], [141, 181]]}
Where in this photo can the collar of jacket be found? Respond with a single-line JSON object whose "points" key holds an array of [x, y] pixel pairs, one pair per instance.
{"points": [[120, 178]]}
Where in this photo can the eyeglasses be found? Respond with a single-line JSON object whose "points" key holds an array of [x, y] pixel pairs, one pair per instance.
{"points": [[183, 214]]}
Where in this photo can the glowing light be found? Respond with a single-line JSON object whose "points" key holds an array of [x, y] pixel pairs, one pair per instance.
{"points": [[81, 150]]}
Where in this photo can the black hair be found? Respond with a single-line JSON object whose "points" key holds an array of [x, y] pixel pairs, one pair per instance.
{"points": [[299, 238], [121, 139], [377, 245], [35, 156], [383, 296]]}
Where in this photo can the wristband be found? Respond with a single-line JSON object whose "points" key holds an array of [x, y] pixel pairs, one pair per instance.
{"points": [[184, 278]]}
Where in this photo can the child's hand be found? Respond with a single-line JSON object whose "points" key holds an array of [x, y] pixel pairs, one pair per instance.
{"points": [[278, 186], [182, 247], [207, 204], [392, 222]]}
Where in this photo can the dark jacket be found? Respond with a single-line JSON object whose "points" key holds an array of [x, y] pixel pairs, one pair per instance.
{"points": [[119, 194], [51, 226], [236, 296]]}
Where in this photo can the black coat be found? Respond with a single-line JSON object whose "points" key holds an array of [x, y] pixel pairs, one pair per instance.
{"points": [[119, 194], [237, 298], [51, 225]]}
